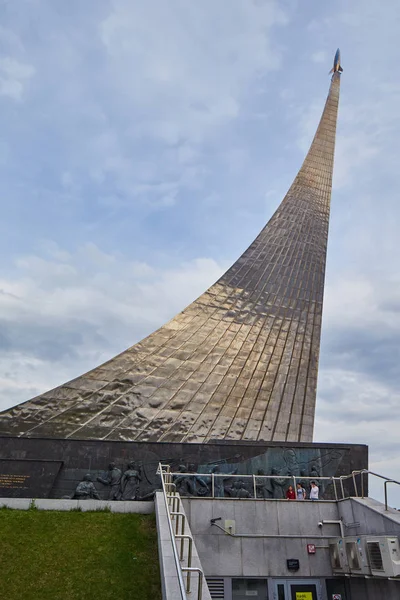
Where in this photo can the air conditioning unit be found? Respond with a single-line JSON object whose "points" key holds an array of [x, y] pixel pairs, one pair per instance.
{"points": [[338, 556], [356, 555], [384, 555]]}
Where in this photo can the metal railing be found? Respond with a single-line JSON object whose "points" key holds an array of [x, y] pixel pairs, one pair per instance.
{"points": [[386, 481], [212, 484], [254, 483], [174, 514]]}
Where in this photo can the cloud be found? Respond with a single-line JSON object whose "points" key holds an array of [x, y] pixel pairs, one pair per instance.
{"points": [[319, 57], [359, 379], [63, 313], [14, 76]]}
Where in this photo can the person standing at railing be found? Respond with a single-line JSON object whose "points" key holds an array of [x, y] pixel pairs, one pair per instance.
{"points": [[290, 493], [300, 492], [314, 492]]}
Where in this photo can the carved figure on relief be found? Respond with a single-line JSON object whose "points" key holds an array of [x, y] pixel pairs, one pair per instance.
{"points": [[112, 478], [85, 489], [130, 482]]}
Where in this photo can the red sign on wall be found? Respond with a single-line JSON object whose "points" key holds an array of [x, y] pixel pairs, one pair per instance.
{"points": [[311, 548]]}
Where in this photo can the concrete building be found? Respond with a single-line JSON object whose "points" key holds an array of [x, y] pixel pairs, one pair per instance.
{"points": [[276, 549]]}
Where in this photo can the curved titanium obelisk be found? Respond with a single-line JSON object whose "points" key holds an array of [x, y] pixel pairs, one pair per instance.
{"points": [[240, 362]]}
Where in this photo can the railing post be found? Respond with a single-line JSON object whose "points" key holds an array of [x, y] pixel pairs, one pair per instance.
{"points": [[341, 485], [212, 485], [334, 487], [254, 487], [295, 490], [385, 485], [200, 581], [354, 483]]}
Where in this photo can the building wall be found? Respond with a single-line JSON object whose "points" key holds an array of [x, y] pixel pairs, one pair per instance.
{"points": [[368, 516], [262, 556], [257, 555], [370, 589]]}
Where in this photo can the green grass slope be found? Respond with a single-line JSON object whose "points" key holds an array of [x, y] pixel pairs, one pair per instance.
{"points": [[49, 555]]}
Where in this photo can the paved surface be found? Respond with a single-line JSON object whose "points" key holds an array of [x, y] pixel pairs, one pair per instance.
{"points": [[240, 362]]}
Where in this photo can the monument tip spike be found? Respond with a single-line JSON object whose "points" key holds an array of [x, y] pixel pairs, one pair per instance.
{"points": [[336, 63]]}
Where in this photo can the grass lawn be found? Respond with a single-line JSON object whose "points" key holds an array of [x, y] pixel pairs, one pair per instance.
{"points": [[50, 555]]}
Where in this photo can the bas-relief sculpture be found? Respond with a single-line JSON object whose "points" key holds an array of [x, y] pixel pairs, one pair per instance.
{"points": [[138, 481]]}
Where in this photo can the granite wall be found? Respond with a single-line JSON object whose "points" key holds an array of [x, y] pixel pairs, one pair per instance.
{"points": [[52, 468]]}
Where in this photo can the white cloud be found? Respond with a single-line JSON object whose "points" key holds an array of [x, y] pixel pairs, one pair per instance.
{"points": [[201, 63], [14, 76], [319, 57], [66, 313]]}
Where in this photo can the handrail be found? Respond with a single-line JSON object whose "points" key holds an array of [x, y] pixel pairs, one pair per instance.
{"points": [[200, 582], [174, 498], [385, 487], [174, 548]]}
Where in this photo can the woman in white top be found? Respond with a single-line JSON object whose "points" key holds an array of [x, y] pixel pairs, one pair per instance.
{"points": [[314, 491]]}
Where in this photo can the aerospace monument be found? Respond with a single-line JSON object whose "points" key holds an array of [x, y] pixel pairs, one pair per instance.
{"points": [[240, 362]]}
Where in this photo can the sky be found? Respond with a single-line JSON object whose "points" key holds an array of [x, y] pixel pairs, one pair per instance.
{"points": [[144, 145]]}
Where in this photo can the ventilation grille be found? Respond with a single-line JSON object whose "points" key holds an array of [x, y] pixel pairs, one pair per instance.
{"points": [[335, 558], [352, 556], [216, 587], [375, 556]]}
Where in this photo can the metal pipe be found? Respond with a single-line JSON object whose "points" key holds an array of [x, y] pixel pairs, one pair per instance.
{"points": [[184, 537], [341, 485], [354, 483], [385, 486], [238, 476], [334, 487], [335, 522], [275, 536], [200, 583], [179, 514], [254, 487], [212, 485], [175, 501]]}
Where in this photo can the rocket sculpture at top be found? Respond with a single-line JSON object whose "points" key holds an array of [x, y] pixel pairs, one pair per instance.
{"points": [[336, 63], [241, 361]]}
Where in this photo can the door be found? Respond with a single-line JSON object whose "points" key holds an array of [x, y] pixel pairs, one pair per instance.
{"points": [[286, 589], [303, 591]]}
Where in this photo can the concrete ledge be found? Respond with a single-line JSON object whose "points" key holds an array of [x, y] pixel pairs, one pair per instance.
{"points": [[378, 507], [143, 508]]}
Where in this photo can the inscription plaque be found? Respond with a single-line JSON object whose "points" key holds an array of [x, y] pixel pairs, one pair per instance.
{"points": [[22, 478]]}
